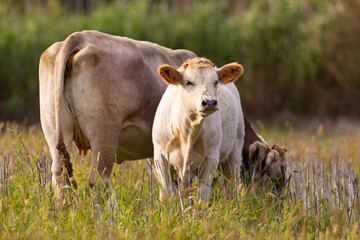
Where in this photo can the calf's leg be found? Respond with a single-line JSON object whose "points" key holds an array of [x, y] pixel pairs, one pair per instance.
{"points": [[207, 175]]}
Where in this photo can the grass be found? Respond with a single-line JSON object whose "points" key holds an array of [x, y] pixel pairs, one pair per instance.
{"points": [[28, 209]]}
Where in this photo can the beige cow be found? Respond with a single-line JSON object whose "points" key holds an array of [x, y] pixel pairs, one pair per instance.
{"points": [[100, 92], [198, 124]]}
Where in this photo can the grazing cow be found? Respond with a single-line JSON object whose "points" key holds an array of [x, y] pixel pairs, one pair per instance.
{"points": [[269, 162], [198, 124], [260, 160], [100, 92]]}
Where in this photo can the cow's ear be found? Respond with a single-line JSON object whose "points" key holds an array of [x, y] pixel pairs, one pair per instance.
{"points": [[254, 153], [230, 72], [169, 74]]}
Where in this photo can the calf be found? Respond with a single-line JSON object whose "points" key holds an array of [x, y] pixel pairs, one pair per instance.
{"points": [[198, 123]]}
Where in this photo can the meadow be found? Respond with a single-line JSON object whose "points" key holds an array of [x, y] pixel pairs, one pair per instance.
{"points": [[320, 202]]}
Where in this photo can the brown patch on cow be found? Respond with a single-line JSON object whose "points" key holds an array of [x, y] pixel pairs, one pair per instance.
{"points": [[66, 164], [197, 63]]}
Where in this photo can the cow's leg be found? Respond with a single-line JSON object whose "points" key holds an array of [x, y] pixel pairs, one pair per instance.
{"points": [[163, 176], [232, 166], [103, 159], [154, 170], [56, 170], [207, 175], [159, 170], [48, 126]]}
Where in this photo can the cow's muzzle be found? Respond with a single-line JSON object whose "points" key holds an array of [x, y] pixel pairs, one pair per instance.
{"points": [[209, 106]]}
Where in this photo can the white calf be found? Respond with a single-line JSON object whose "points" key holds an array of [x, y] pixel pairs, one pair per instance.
{"points": [[198, 123]]}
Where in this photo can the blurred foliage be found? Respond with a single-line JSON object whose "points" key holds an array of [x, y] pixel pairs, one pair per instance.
{"points": [[299, 56]]}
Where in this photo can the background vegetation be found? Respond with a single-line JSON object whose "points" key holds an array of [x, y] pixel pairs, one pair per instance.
{"points": [[299, 56]]}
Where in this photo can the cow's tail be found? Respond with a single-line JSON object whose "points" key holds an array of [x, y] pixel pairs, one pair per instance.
{"points": [[62, 69]]}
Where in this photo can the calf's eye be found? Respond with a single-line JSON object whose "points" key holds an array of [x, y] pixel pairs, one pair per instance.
{"points": [[216, 83]]}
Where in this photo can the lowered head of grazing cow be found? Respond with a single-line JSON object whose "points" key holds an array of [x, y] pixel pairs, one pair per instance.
{"points": [[269, 162]]}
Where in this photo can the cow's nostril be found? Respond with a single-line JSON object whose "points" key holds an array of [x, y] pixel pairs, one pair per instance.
{"points": [[204, 103], [215, 102]]}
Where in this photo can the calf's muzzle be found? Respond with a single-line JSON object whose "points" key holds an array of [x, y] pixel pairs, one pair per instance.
{"points": [[209, 105]]}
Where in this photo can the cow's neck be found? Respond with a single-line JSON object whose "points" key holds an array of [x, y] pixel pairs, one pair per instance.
{"points": [[190, 125]]}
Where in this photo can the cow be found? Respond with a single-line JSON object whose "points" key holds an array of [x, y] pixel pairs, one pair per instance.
{"points": [[271, 163], [198, 124], [100, 92], [259, 160]]}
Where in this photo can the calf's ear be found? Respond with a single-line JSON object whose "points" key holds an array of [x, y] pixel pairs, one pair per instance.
{"points": [[230, 72], [169, 74]]}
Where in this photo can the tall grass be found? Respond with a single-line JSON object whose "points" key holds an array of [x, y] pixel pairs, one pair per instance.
{"points": [[307, 209], [299, 56]]}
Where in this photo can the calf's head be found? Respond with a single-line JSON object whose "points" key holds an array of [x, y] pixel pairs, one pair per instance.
{"points": [[198, 81]]}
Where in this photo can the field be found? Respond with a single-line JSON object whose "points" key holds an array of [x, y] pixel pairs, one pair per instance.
{"points": [[320, 202]]}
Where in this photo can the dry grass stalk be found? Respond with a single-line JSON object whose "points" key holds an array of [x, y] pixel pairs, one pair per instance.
{"points": [[141, 188], [311, 178]]}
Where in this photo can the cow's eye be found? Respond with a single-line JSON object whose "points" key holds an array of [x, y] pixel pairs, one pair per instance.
{"points": [[188, 83], [216, 83]]}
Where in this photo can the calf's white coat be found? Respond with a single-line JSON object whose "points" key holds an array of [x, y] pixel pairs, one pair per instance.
{"points": [[198, 124]]}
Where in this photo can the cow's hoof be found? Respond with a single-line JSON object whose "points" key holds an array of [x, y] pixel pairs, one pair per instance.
{"points": [[57, 184]]}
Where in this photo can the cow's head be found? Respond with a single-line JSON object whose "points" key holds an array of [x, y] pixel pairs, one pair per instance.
{"points": [[276, 164], [270, 162], [198, 80]]}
